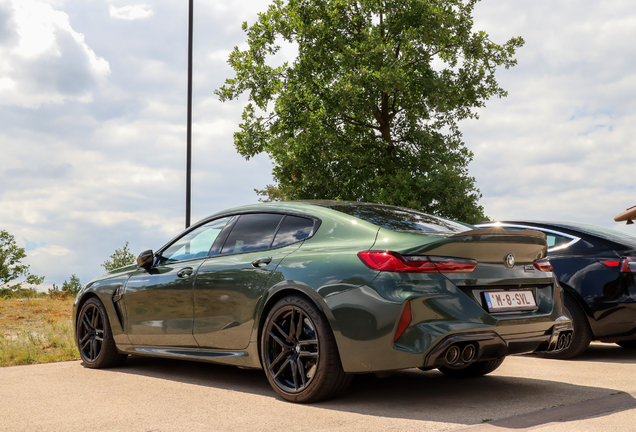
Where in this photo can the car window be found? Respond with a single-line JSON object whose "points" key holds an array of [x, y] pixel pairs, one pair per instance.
{"points": [[555, 240], [195, 243], [400, 219], [252, 232], [293, 229]]}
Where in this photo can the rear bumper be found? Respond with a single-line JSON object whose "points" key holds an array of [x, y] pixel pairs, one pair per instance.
{"points": [[482, 346]]}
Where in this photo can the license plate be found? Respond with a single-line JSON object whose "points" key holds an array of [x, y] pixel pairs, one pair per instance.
{"points": [[510, 300]]}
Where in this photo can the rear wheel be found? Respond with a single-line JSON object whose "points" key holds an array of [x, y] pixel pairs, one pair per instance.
{"points": [[472, 369], [94, 337], [299, 352], [627, 344], [582, 335]]}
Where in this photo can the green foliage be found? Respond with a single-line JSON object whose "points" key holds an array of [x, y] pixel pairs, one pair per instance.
{"points": [[69, 289], [14, 274], [120, 258], [369, 108], [270, 193]]}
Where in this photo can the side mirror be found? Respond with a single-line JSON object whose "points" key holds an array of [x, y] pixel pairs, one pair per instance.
{"points": [[145, 259]]}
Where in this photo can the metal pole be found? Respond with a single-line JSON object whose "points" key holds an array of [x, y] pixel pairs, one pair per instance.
{"points": [[189, 127]]}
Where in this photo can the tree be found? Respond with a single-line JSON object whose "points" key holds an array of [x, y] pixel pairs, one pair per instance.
{"points": [[13, 274], [120, 258], [369, 108], [68, 288]]}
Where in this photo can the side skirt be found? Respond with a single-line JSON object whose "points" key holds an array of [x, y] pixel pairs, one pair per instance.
{"points": [[243, 358]]}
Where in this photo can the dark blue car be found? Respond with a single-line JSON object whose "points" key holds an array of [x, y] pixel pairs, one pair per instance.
{"points": [[596, 267]]}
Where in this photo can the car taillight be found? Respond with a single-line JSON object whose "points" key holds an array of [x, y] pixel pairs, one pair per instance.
{"points": [[405, 320], [394, 262], [611, 263], [543, 265], [628, 265]]}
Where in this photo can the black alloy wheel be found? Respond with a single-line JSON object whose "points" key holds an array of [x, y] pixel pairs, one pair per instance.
{"points": [[94, 337], [299, 352]]}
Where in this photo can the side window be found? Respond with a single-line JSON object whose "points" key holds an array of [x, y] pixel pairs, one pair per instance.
{"points": [[252, 232], [292, 230], [194, 244], [555, 240]]}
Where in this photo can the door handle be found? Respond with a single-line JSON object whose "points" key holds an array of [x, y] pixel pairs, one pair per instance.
{"points": [[185, 272], [261, 262]]}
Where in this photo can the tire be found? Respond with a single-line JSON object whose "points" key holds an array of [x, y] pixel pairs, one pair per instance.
{"points": [[94, 337], [299, 352], [473, 369], [630, 345], [582, 335]]}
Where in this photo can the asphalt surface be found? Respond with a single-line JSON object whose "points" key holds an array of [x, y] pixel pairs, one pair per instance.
{"points": [[596, 392]]}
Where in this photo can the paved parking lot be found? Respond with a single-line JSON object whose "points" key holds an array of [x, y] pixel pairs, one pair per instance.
{"points": [[164, 395]]}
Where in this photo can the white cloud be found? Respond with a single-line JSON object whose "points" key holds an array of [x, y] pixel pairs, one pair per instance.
{"points": [[131, 12], [44, 60]]}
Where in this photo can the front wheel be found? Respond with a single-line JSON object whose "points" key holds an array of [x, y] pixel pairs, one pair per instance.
{"points": [[94, 337], [472, 370], [299, 352]]}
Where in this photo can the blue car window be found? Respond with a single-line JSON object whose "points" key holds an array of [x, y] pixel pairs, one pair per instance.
{"points": [[195, 243]]}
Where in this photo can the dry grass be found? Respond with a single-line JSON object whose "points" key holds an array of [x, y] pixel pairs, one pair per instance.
{"points": [[36, 330]]}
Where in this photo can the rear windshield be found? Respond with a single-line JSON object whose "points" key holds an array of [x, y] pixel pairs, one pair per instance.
{"points": [[606, 233], [400, 219]]}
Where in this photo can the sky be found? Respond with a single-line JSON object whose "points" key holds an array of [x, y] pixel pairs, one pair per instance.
{"points": [[93, 121]]}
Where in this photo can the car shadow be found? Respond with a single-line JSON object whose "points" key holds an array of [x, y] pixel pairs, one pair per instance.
{"points": [[603, 353], [409, 394], [607, 353]]}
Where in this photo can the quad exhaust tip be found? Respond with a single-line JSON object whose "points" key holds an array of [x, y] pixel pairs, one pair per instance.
{"points": [[468, 353], [454, 354]]}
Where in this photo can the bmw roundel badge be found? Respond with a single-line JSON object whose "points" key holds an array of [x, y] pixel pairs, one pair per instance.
{"points": [[509, 260]]}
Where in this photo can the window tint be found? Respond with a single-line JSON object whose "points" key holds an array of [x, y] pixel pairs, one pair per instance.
{"points": [[400, 219], [292, 230], [252, 232], [196, 243]]}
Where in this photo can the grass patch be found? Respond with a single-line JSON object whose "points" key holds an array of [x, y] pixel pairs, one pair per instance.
{"points": [[36, 330]]}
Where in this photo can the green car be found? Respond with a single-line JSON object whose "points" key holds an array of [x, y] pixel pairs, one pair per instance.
{"points": [[314, 292]]}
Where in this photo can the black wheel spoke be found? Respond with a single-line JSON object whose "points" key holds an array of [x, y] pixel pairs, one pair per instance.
{"points": [[292, 324], [307, 354], [86, 323], [294, 369], [278, 359], [308, 342], [84, 339], [279, 341], [95, 320], [301, 371], [282, 368], [86, 343], [281, 331], [299, 327]]}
